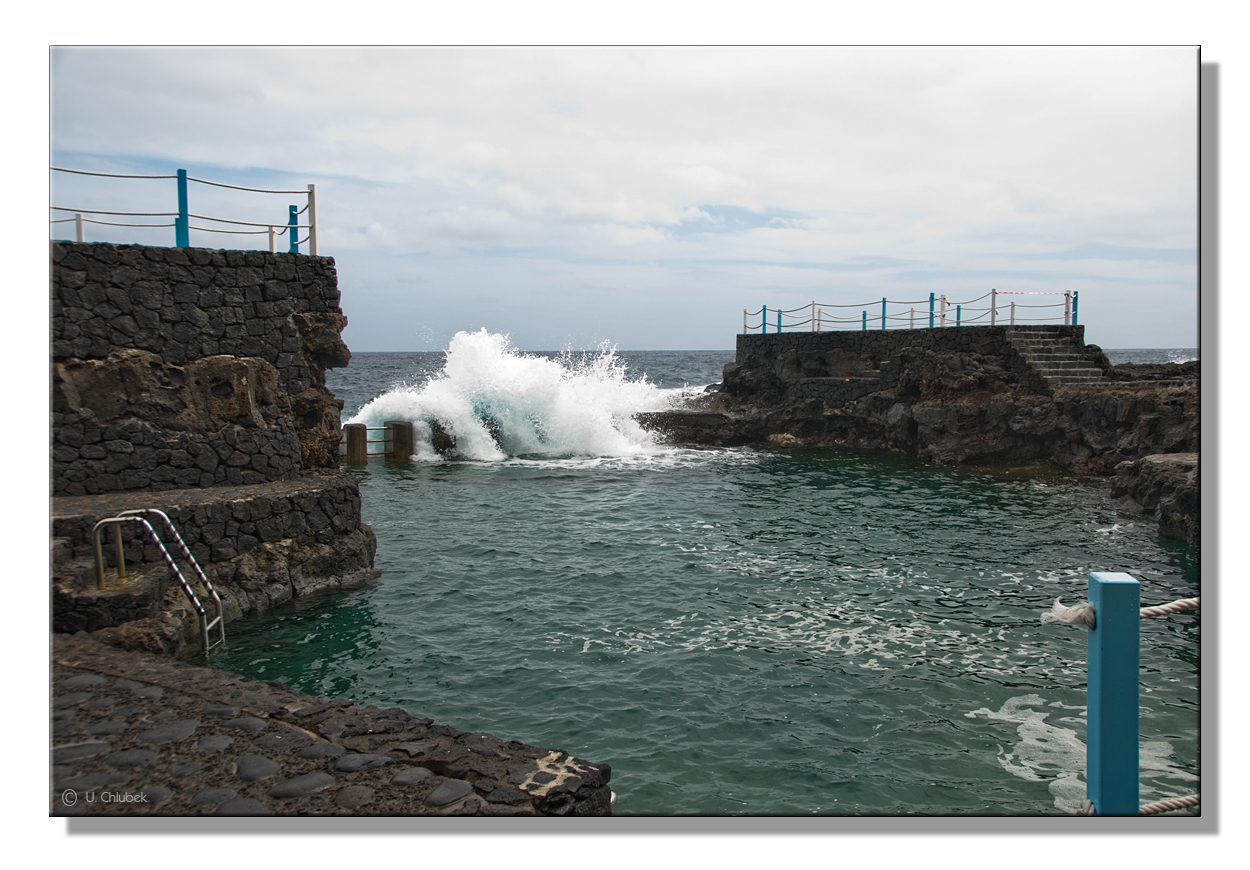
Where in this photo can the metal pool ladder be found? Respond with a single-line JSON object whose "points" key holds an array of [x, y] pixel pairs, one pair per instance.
{"points": [[138, 516]]}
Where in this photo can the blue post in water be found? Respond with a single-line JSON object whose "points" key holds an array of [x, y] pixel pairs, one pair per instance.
{"points": [[291, 220], [957, 307], [1111, 758], [930, 310], [1075, 295], [182, 226], [883, 312]]}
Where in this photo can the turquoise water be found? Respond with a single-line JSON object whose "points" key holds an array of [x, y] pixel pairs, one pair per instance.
{"points": [[740, 631]]}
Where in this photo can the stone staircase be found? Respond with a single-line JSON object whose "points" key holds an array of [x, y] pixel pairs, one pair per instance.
{"points": [[1053, 354]]}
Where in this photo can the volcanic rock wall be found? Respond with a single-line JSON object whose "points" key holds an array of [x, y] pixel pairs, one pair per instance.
{"points": [[960, 395], [193, 381], [190, 367]]}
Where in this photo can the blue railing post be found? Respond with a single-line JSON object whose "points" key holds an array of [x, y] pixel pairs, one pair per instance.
{"points": [[182, 226], [865, 321], [1075, 296], [957, 313], [883, 312], [1111, 762], [292, 231], [764, 320], [930, 310], [779, 321]]}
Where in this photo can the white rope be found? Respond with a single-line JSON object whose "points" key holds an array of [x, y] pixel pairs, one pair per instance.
{"points": [[235, 186], [1168, 805], [232, 232], [116, 224], [1083, 614], [107, 174], [1177, 606], [126, 213], [1078, 614], [1163, 806], [205, 217]]}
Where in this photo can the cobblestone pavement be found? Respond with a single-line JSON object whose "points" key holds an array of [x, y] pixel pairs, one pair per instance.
{"points": [[139, 734]]}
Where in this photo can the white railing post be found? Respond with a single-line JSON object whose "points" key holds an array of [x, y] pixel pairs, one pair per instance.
{"points": [[1013, 312], [813, 317], [312, 220], [912, 324], [744, 321], [1067, 308], [993, 306], [819, 312], [273, 242], [943, 318], [78, 226]]}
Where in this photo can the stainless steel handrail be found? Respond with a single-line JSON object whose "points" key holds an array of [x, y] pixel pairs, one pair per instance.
{"points": [[137, 516]]}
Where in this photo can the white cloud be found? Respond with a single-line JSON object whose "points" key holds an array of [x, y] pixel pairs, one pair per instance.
{"points": [[968, 160]]}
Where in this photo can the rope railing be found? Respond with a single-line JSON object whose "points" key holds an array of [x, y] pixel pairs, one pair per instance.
{"points": [[1112, 768], [182, 225], [936, 311]]}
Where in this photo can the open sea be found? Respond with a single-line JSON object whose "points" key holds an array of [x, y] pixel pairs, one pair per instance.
{"points": [[735, 631]]}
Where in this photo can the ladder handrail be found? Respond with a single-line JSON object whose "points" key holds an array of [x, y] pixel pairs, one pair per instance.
{"points": [[136, 516]]}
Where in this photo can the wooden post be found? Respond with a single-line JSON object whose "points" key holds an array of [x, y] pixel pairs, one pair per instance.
{"points": [[1111, 763], [357, 443], [399, 440], [312, 220]]}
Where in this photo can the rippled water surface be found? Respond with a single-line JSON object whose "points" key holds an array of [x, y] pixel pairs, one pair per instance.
{"points": [[745, 631]]}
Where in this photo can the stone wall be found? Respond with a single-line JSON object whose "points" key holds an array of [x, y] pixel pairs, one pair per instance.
{"points": [[190, 367], [874, 354]]}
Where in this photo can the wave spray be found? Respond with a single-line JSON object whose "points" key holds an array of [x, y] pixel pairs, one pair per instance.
{"points": [[491, 402]]}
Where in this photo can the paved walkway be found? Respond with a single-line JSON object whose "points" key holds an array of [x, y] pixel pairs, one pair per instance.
{"points": [[138, 734]]}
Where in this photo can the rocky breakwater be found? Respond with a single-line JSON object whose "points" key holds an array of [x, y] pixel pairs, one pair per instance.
{"points": [[193, 381], [973, 395]]}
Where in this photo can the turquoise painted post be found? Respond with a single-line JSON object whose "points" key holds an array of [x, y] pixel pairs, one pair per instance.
{"points": [[957, 313], [883, 312], [1075, 297], [1111, 756], [930, 310], [779, 321], [764, 321], [291, 220], [182, 226], [865, 321]]}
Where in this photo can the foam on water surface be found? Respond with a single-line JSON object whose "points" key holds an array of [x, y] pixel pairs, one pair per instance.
{"points": [[498, 404]]}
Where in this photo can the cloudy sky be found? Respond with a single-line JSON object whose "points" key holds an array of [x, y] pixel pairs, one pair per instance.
{"points": [[645, 197]]}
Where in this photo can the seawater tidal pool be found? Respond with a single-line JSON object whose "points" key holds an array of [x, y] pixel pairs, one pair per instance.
{"points": [[735, 631]]}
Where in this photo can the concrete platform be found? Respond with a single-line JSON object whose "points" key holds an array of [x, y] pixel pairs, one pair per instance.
{"points": [[135, 734]]}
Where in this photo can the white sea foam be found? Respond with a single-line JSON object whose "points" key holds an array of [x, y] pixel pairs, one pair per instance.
{"points": [[497, 403]]}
